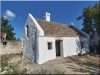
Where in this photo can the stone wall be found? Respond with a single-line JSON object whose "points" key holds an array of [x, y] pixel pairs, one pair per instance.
{"points": [[11, 47], [30, 41]]}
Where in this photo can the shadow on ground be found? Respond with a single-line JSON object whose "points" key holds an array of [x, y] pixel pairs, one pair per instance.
{"points": [[86, 64]]}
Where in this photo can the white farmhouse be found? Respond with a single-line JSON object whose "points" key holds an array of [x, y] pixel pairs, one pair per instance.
{"points": [[44, 40]]}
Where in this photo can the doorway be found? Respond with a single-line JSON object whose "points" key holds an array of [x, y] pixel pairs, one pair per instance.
{"points": [[58, 47]]}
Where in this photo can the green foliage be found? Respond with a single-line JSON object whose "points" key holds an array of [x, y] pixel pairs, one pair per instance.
{"points": [[6, 27], [90, 17], [96, 17]]}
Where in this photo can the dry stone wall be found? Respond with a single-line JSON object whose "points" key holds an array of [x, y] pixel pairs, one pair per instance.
{"points": [[11, 47]]}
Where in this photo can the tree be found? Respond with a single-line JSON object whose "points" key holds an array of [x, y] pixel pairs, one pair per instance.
{"points": [[7, 28], [96, 17], [91, 23], [90, 17]]}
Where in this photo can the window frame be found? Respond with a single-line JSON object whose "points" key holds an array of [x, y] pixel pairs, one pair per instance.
{"points": [[49, 44]]}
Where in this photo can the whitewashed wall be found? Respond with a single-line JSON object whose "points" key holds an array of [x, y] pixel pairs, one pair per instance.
{"points": [[35, 47], [85, 41], [70, 46], [44, 53], [30, 43]]}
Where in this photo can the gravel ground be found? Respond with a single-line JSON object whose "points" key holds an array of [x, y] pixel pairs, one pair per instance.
{"points": [[68, 65]]}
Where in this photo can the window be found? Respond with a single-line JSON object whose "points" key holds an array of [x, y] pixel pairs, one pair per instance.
{"points": [[49, 45], [27, 30]]}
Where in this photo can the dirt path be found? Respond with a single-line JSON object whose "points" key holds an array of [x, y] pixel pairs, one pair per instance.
{"points": [[68, 65]]}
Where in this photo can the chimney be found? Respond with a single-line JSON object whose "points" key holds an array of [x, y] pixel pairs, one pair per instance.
{"points": [[47, 16]]}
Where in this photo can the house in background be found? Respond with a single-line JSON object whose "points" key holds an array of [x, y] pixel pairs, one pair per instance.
{"points": [[44, 40]]}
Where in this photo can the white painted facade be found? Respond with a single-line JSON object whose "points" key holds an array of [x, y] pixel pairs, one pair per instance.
{"points": [[35, 46], [44, 53], [70, 46]]}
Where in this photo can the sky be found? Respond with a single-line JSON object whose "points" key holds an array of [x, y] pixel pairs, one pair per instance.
{"points": [[61, 11]]}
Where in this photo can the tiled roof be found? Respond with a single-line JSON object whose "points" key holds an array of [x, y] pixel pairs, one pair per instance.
{"points": [[57, 29]]}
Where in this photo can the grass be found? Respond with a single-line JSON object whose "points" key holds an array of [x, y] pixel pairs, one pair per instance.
{"points": [[7, 68], [90, 63], [46, 71]]}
